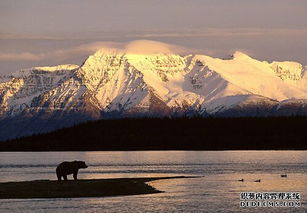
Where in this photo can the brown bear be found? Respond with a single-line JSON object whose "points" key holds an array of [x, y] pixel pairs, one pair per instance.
{"points": [[67, 168]]}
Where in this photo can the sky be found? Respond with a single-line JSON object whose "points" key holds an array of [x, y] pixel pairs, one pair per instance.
{"points": [[44, 32]]}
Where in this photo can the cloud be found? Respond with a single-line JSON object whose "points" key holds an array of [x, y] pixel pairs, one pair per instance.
{"points": [[152, 34], [222, 32], [24, 56], [152, 47], [134, 47], [56, 54]]}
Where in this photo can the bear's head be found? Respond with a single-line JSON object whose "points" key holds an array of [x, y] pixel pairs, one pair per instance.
{"points": [[81, 164]]}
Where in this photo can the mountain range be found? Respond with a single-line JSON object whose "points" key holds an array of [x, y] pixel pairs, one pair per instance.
{"points": [[116, 84]]}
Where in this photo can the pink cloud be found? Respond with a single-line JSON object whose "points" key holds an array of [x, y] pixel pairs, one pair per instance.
{"points": [[136, 47]]}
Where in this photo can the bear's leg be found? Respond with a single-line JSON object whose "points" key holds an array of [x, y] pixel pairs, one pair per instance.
{"points": [[65, 177], [59, 176], [75, 175]]}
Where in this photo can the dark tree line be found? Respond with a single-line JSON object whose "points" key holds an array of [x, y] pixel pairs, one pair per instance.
{"points": [[274, 133]]}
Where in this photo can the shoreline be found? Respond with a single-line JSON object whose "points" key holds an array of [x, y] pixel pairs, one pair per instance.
{"points": [[80, 188]]}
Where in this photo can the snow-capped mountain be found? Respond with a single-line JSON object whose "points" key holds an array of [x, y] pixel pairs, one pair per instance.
{"points": [[115, 84]]}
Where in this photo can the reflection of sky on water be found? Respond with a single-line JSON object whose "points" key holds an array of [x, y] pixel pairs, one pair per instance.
{"points": [[206, 192], [212, 193], [28, 166]]}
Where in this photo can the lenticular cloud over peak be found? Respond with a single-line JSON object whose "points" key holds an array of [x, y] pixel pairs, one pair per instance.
{"points": [[145, 47], [152, 47]]}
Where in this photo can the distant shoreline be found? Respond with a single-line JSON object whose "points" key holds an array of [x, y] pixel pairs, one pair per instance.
{"points": [[205, 134], [79, 188]]}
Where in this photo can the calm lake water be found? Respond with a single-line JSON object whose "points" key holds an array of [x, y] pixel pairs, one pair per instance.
{"points": [[215, 190]]}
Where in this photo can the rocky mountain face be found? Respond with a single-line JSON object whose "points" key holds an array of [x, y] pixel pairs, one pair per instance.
{"points": [[113, 84]]}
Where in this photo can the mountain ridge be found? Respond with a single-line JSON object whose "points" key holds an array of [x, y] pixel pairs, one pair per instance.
{"points": [[115, 84]]}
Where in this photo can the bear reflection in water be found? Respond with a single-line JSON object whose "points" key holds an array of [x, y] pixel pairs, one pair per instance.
{"points": [[68, 168]]}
